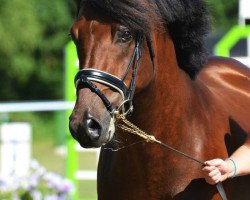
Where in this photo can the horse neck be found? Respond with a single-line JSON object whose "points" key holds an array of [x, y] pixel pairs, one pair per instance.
{"points": [[167, 94]]}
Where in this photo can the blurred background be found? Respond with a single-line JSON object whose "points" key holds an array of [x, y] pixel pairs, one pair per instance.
{"points": [[37, 66]]}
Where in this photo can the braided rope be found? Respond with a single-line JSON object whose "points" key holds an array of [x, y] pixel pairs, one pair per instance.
{"points": [[130, 127]]}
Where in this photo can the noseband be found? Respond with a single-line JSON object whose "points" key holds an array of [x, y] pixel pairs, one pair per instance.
{"points": [[86, 77]]}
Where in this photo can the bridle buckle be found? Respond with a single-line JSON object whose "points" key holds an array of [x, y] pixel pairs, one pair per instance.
{"points": [[125, 108]]}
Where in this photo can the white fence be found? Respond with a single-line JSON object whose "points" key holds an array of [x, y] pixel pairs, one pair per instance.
{"points": [[15, 149], [48, 106], [35, 106], [87, 174]]}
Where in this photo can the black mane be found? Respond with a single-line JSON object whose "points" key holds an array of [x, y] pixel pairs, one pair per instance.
{"points": [[186, 21]]}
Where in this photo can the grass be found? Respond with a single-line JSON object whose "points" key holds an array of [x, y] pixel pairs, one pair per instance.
{"points": [[87, 190], [44, 145], [44, 152]]}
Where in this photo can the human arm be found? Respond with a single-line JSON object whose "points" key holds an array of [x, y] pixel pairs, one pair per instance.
{"points": [[218, 170]]}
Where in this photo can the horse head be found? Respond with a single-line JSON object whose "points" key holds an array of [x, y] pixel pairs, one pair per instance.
{"points": [[112, 39], [109, 58]]}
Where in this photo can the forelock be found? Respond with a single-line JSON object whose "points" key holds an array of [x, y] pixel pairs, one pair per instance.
{"points": [[186, 21]]}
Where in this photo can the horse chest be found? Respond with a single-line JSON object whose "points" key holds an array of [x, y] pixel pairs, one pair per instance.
{"points": [[142, 177]]}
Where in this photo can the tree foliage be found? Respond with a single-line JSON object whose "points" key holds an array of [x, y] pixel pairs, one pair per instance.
{"points": [[33, 34], [224, 13]]}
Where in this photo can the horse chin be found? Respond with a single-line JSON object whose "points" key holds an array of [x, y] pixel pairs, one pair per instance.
{"points": [[87, 143]]}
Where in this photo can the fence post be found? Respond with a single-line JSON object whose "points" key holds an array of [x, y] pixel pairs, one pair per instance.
{"points": [[15, 149], [71, 67]]}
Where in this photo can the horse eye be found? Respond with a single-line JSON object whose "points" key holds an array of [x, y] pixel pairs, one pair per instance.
{"points": [[126, 36]]}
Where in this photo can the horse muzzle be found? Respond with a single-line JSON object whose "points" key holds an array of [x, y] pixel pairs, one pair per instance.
{"points": [[90, 132]]}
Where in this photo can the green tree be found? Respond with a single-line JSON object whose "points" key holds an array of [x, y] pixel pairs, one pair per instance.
{"points": [[224, 13], [33, 34]]}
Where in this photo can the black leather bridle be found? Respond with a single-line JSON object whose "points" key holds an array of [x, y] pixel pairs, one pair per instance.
{"points": [[86, 77]]}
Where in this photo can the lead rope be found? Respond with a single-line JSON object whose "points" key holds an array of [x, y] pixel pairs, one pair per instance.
{"points": [[124, 124]]}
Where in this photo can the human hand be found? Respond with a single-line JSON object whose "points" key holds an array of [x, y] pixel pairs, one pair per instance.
{"points": [[215, 171]]}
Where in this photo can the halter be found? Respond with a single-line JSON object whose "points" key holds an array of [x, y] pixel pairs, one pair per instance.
{"points": [[85, 78]]}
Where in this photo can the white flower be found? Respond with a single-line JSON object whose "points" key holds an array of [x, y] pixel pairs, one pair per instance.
{"points": [[34, 164], [51, 197], [66, 186], [53, 180], [34, 181], [15, 197], [31, 183], [36, 195]]}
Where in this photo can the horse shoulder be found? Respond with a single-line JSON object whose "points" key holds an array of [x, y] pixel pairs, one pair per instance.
{"points": [[229, 82]]}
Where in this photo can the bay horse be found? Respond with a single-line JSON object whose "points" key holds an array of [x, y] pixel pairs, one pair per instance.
{"points": [[149, 55]]}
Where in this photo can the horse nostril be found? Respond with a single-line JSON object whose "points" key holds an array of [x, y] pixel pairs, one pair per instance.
{"points": [[93, 128]]}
